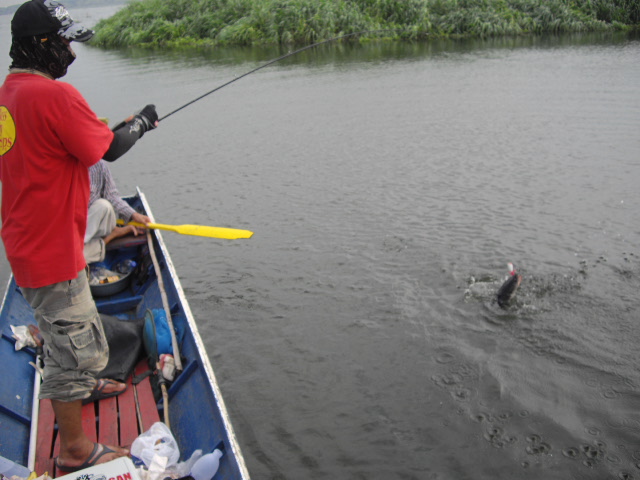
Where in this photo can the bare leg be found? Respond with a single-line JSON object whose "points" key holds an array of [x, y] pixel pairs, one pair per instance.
{"points": [[75, 446]]}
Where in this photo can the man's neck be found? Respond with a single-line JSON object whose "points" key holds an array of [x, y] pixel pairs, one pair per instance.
{"points": [[30, 70]]}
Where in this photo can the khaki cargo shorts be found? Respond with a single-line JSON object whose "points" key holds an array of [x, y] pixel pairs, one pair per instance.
{"points": [[75, 346]]}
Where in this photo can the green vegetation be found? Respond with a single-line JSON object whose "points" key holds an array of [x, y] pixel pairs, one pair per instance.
{"points": [[272, 22]]}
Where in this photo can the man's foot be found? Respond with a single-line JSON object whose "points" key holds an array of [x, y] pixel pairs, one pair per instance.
{"points": [[100, 454], [105, 388]]}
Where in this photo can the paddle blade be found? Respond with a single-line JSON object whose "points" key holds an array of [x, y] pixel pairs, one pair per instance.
{"points": [[198, 230], [212, 232]]}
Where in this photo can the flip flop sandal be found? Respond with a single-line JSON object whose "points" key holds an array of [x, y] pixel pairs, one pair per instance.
{"points": [[99, 450], [98, 391]]}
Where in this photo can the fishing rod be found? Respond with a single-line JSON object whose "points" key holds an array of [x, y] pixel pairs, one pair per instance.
{"points": [[272, 62]]}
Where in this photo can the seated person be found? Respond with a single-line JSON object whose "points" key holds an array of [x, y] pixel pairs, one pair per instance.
{"points": [[105, 206]]}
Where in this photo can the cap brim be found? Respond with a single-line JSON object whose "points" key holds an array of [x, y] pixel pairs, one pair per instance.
{"points": [[76, 33]]}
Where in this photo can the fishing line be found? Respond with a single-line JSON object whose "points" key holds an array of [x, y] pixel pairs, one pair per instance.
{"points": [[274, 61]]}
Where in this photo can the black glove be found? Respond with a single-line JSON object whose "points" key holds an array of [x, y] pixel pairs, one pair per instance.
{"points": [[149, 117]]}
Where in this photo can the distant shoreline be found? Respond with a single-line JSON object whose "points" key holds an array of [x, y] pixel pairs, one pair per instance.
{"points": [[212, 23]]}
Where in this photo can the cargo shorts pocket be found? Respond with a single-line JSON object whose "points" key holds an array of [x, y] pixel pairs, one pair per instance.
{"points": [[75, 345]]}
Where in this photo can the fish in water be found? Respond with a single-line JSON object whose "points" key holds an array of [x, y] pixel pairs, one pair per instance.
{"points": [[508, 289]]}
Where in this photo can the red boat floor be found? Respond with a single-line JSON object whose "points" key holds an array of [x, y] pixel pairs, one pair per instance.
{"points": [[112, 421]]}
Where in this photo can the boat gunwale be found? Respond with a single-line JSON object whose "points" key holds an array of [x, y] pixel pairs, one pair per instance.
{"points": [[213, 382]]}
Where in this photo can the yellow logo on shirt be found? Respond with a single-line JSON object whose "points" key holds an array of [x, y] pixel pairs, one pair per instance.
{"points": [[7, 130]]}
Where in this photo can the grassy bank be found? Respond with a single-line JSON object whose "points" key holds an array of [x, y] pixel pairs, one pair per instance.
{"points": [[264, 22]]}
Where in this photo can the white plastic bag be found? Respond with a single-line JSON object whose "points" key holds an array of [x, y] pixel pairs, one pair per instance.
{"points": [[22, 337], [158, 440]]}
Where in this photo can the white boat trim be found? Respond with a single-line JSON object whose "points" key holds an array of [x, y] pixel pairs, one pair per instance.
{"points": [[200, 345]]}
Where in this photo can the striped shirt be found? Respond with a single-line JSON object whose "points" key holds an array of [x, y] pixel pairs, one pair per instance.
{"points": [[103, 186]]}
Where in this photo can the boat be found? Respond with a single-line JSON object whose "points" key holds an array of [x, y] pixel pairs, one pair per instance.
{"points": [[192, 405]]}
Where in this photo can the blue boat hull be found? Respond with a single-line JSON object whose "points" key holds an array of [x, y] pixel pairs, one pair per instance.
{"points": [[197, 413]]}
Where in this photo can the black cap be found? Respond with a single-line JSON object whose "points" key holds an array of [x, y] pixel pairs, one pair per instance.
{"points": [[39, 17]]}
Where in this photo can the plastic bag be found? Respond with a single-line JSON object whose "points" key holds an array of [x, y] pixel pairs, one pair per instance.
{"points": [[163, 332], [158, 440], [32, 476], [159, 471], [22, 337], [168, 366]]}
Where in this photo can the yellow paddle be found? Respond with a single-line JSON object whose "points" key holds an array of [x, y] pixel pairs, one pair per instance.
{"points": [[198, 230]]}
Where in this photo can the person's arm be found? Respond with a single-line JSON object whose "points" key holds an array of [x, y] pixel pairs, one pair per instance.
{"points": [[140, 218], [109, 192], [127, 133]]}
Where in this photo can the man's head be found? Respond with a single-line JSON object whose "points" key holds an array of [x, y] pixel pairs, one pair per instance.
{"points": [[41, 32], [42, 17]]}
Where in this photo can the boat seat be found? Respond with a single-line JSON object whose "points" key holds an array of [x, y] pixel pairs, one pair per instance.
{"points": [[112, 421]]}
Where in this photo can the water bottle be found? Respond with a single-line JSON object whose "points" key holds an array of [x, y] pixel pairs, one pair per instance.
{"points": [[125, 266], [206, 466]]}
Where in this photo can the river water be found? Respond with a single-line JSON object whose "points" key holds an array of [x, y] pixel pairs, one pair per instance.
{"points": [[355, 335]]}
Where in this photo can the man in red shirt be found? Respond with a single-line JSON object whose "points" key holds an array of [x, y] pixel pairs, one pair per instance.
{"points": [[49, 137]]}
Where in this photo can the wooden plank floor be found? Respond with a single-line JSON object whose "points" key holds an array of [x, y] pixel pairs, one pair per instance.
{"points": [[112, 421]]}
